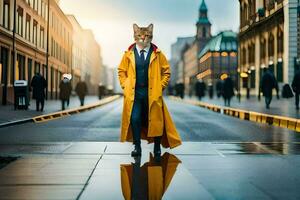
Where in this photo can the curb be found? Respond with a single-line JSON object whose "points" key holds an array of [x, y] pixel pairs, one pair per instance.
{"points": [[273, 120], [61, 114]]}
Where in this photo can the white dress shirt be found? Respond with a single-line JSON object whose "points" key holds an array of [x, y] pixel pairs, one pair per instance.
{"points": [[145, 49]]}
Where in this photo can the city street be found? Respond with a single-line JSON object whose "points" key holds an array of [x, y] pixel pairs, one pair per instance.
{"points": [[103, 124], [149, 100], [79, 157]]}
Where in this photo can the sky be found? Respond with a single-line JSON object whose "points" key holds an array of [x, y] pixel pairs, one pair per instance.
{"points": [[112, 20]]}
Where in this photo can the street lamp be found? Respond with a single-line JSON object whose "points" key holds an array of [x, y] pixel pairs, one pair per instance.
{"points": [[47, 51], [14, 41]]}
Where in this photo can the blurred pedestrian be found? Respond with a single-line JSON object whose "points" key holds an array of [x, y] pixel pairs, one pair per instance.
{"points": [[65, 91], [219, 86], [39, 84], [210, 91], [228, 90], [101, 90], [268, 83], [296, 87], [81, 90], [181, 89], [200, 88]]}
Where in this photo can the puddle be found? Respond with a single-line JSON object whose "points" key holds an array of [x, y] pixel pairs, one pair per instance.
{"points": [[121, 177], [259, 148]]}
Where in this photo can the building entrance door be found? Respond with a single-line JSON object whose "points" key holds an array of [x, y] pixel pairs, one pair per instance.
{"points": [[4, 74]]}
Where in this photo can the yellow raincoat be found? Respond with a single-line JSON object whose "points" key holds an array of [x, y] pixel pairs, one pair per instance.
{"points": [[159, 119]]}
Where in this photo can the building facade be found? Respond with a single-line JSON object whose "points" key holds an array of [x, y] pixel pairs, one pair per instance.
{"points": [[31, 42], [176, 57], [218, 58], [190, 55], [78, 51], [93, 62], [267, 39]]}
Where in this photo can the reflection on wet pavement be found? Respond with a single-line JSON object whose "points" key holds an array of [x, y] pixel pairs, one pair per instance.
{"points": [[195, 170], [149, 181]]}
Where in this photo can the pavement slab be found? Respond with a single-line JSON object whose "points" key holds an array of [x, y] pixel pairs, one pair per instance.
{"points": [[195, 170]]}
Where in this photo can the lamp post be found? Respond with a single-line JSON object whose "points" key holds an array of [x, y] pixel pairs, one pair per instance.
{"points": [[47, 51], [239, 84], [14, 40]]}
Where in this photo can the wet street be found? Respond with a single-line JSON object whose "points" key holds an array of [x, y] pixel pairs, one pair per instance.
{"points": [[103, 124], [79, 157]]}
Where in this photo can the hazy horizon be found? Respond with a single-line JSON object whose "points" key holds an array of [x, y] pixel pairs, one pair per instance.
{"points": [[111, 21]]}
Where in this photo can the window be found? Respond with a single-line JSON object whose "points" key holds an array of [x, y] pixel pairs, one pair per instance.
{"points": [[271, 45], [35, 6], [34, 35], [42, 9], [262, 49], [280, 42], [42, 38], [39, 7], [204, 32], [19, 25], [27, 27], [6, 21]]}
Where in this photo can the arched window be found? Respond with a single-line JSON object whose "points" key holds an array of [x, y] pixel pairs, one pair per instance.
{"points": [[262, 48], [280, 41], [204, 32], [271, 45]]}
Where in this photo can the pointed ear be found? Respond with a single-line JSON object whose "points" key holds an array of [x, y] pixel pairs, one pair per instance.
{"points": [[150, 27], [135, 27]]}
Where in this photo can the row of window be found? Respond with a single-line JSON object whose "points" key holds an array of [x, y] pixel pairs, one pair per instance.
{"points": [[35, 33], [60, 53], [26, 72], [263, 49], [58, 27], [40, 6], [248, 10]]}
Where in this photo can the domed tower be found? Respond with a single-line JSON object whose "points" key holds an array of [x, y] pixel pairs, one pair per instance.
{"points": [[203, 26]]}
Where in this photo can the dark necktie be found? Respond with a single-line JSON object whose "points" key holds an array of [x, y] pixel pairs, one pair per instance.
{"points": [[143, 55]]}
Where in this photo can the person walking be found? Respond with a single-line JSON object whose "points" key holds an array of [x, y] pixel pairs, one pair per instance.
{"points": [[219, 86], [39, 84], [144, 73], [268, 83], [200, 88], [65, 91], [296, 88], [81, 91], [228, 90]]}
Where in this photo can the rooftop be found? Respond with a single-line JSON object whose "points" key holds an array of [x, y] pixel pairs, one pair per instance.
{"points": [[224, 41]]}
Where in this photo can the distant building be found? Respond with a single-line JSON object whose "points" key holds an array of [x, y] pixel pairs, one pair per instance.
{"points": [[190, 55], [93, 61], [31, 45], [176, 56], [86, 64], [268, 38], [78, 51], [219, 58]]}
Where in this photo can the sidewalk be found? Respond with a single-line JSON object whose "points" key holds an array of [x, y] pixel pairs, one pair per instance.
{"points": [[195, 170], [282, 107], [7, 113]]}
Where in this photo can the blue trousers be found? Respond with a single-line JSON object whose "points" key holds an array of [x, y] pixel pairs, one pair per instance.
{"points": [[139, 114]]}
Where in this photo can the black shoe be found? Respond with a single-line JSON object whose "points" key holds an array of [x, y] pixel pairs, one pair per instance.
{"points": [[136, 152]]}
